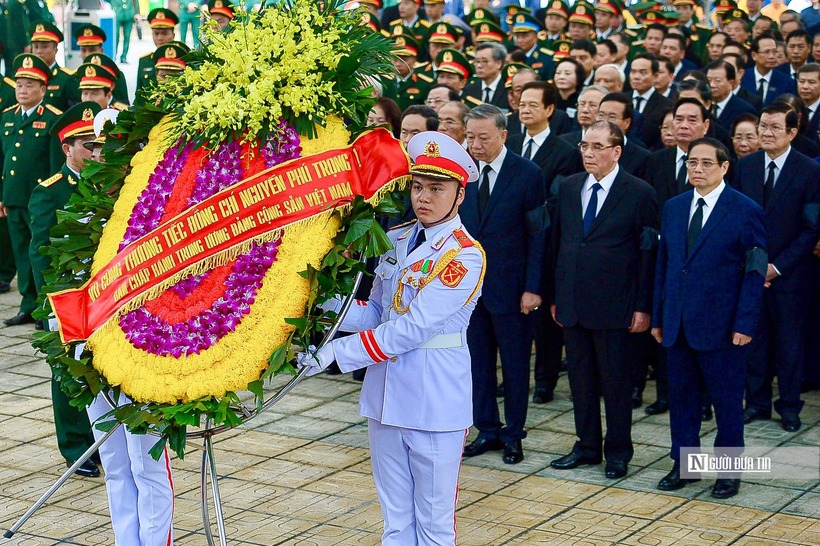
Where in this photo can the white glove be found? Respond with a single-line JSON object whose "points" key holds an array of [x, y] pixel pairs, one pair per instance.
{"points": [[334, 304], [317, 361]]}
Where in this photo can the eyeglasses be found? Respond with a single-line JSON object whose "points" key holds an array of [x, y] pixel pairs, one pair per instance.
{"points": [[444, 122], [744, 138], [596, 148], [705, 163], [433, 102], [762, 128], [608, 117]]}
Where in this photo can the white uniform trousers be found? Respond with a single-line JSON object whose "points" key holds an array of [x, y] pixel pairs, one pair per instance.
{"points": [[416, 475], [140, 489]]}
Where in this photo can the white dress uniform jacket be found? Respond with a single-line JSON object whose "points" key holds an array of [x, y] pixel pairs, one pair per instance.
{"points": [[412, 330]]}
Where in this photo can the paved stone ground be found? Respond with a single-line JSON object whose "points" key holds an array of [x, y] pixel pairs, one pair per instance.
{"points": [[300, 475]]}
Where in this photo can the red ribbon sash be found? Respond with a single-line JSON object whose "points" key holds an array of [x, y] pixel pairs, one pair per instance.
{"points": [[267, 201]]}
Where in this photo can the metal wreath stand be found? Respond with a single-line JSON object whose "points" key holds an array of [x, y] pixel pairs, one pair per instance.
{"points": [[208, 467]]}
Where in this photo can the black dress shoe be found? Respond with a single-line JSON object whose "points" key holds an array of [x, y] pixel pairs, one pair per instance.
{"points": [[616, 469], [38, 325], [513, 452], [5, 286], [661, 406], [19, 319], [790, 422], [725, 488], [482, 445], [706, 413], [499, 391], [573, 460], [754, 414], [637, 399], [542, 395], [88, 469], [673, 481]]}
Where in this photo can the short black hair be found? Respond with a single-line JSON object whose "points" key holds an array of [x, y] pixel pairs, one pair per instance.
{"points": [[452, 94], [653, 61], [549, 94], [799, 33], [678, 38], [740, 60], [621, 98], [430, 115], [586, 45], [695, 74], [791, 105], [658, 26], [704, 113], [746, 117], [700, 87], [667, 62], [760, 38], [728, 70], [610, 45], [721, 153]]}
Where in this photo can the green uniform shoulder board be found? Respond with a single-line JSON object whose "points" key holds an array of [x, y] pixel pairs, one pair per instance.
{"points": [[50, 181], [10, 108], [703, 27], [53, 110], [546, 51], [638, 43], [425, 78], [410, 223], [121, 106], [385, 33], [147, 55], [67, 70], [395, 22], [630, 32], [425, 23], [10, 81], [474, 100]]}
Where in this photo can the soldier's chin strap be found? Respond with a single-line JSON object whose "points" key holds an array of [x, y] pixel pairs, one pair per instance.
{"points": [[455, 201]]}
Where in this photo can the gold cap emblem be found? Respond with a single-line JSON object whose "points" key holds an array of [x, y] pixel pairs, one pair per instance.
{"points": [[442, 29], [88, 115], [90, 72], [28, 63], [400, 41], [88, 32], [557, 5], [160, 15], [581, 10], [40, 28], [520, 18], [563, 47], [512, 71], [432, 149], [479, 14], [171, 53], [448, 57], [96, 60], [218, 4], [651, 16], [398, 31], [485, 28]]}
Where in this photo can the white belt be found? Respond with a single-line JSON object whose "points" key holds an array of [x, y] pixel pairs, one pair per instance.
{"points": [[446, 341]]}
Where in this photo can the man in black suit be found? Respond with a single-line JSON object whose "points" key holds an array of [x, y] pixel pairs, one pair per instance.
{"points": [[488, 86], [808, 88], [787, 185], [617, 108], [588, 102], [674, 48], [645, 99], [726, 107], [761, 80], [708, 287], [602, 259], [558, 159], [739, 62], [501, 212]]}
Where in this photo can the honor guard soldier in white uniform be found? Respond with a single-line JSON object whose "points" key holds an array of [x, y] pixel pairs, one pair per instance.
{"points": [[417, 394], [140, 490]]}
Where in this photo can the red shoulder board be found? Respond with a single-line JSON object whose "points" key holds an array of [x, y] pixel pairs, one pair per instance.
{"points": [[462, 238]]}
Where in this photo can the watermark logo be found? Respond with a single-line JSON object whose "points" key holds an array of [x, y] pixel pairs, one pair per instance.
{"points": [[776, 463]]}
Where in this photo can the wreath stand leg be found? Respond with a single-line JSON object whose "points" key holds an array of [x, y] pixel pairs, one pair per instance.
{"points": [[209, 468], [60, 481]]}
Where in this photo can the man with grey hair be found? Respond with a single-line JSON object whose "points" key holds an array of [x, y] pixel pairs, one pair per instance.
{"points": [[488, 87], [503, 211], [610, 77], [588, 102], [452, 121]]}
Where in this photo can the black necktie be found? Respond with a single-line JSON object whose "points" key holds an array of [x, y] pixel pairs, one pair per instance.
{"points": [[592, 208], [768, 187], [484, 189], [714, 111], [528, 151], [695, 225], [760, 85], [638, 101], [487, 94], [420, 238], [682, 176]]}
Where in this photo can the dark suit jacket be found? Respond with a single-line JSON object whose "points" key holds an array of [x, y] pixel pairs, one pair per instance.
{"points": [[778, 84], [751, 98], [687, 65], [735, 107], [652, 118], [708, 294], [515, 252], [791, 227], [574, 138], [662, 175], [473, 95], [602, 278], [560, 123], [557, 158], [635, 159]]}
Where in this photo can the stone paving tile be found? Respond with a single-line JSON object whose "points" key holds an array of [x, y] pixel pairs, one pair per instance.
{"points": [[536, 536], [327, 454], [481, 532], [588, 524], [753, 495], [713, 516], [305, 427], [16, 404], [786, 528], [631, 503], [806, 505], [661, 533], [562, 492]]}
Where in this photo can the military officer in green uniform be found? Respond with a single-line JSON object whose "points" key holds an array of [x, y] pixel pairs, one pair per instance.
{"points": [[222, 12], [28, 155], [73, 129], [453, 69], [525, 29], [168, 59], [126, 12], [410, 85], [107, 63], [91, 38], [699, 34], [62, 88], [409, 19], [96, 83], [163, 22], [16, 32], [555, 23]]}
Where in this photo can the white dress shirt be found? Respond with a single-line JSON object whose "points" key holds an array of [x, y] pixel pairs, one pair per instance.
{"points": [[710, 198], [606, 184], [537, 142], [495, 168], [778, 161]]}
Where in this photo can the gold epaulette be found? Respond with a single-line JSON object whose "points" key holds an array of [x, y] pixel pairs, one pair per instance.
{"points": [[10, 81], [410, 223], [474, 100], [629, 32], [147, 55], [425, 23], [395, 22], [121, 106], [704, 27], [50, 181], [546, 51], [53, 109], [424, 77], [10, 108], [67, 70]]}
